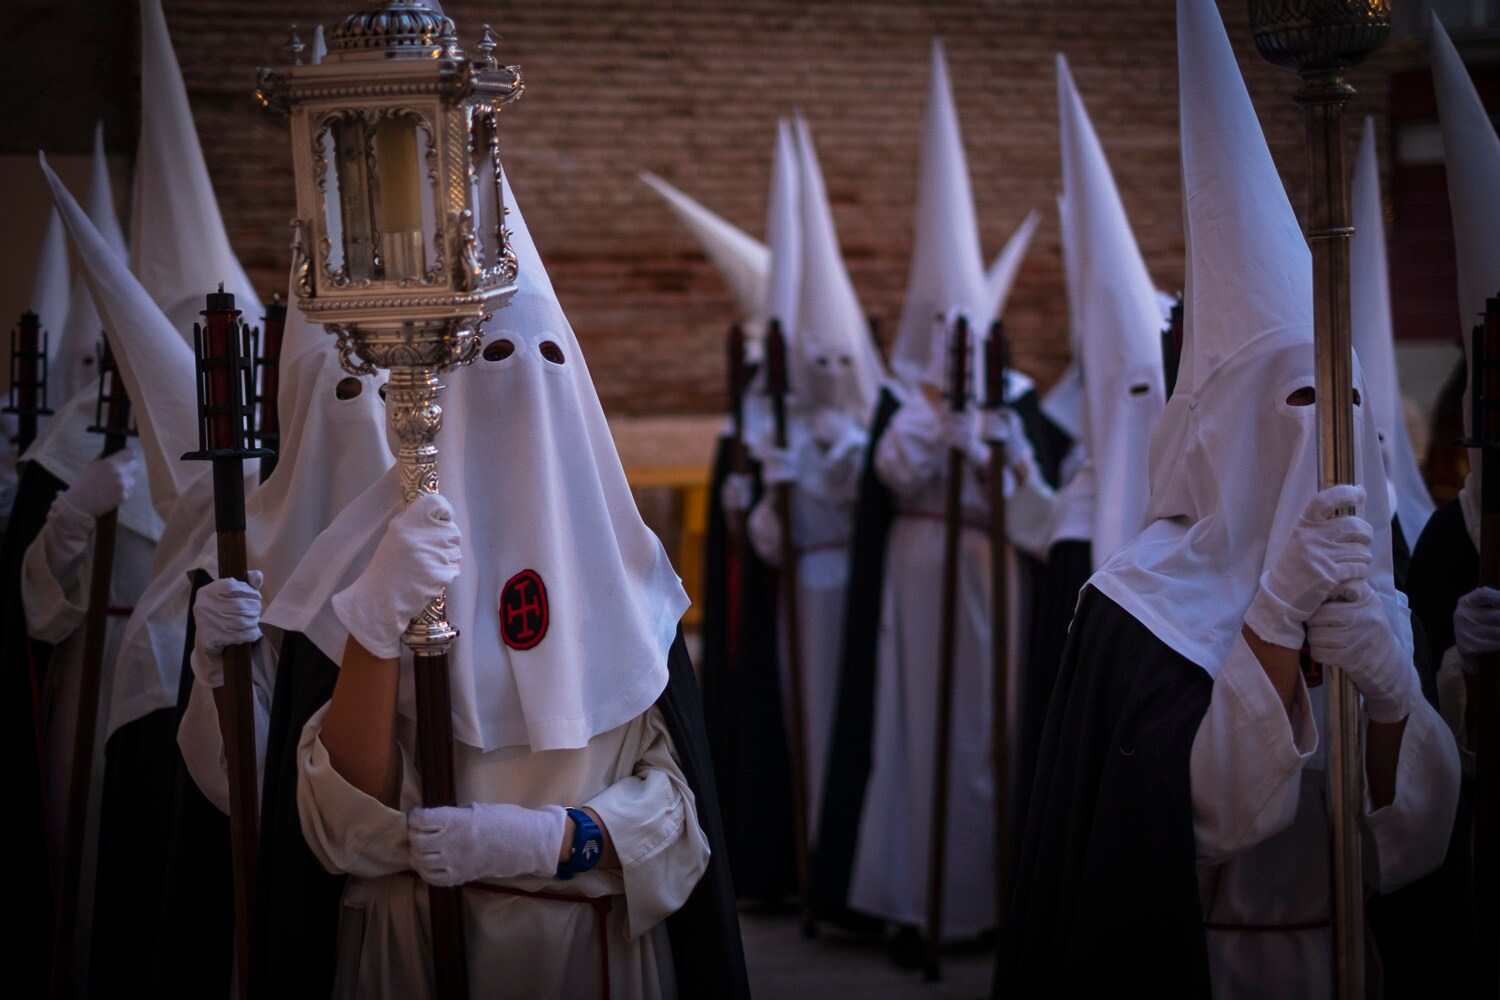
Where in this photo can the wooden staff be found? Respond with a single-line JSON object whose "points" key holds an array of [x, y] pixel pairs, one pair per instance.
{"points": [[225, 429], [739, 462], [958, 398], [1484, 717], [28, 378], [1171, 346], [1320, 40], [268, 360], [776, 388], [112, 419], [996, 361]]}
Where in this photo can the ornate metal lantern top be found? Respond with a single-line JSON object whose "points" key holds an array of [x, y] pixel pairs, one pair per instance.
{"points": [[403, 29], [1319, 35], [396, 153]]}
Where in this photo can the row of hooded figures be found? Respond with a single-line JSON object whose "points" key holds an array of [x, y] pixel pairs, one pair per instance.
{"points": [[1043, 668]]}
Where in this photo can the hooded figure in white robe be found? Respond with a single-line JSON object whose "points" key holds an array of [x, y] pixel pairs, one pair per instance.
{"points": [[1374, 343], [910, 459], [566, 608], [1114, 321], [138, 713], [1180, 820], [834, 375]]}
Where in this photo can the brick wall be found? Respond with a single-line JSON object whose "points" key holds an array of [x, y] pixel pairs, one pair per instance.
{"points": [[691, 90]]}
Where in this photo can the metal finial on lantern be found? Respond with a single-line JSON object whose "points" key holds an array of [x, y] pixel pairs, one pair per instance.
{"points": [[1320, 40], [487, 46], [294, 46]]}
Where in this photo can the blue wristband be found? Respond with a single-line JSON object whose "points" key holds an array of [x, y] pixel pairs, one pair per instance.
{"points": [[588, 845]]}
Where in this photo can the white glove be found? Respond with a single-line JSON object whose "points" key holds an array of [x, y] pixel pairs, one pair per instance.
{"points": [[737, 493], [1004, 426], [65, 535], [225, 613], [102, 485], [831, 428], [1322, 554], [1476, 624], [451, 845], [777, 465], [415, 560], [1351, 631]]}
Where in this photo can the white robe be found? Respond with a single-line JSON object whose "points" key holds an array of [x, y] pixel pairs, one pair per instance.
{"points": [[517, 947], [55, 582], [200, 739], [891, 853], [1261, 823], [822, 523]]}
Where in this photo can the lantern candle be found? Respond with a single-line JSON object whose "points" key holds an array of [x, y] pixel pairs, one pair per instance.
{"points": [[400, 197]]}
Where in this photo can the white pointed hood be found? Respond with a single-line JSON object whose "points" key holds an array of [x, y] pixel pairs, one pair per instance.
{"points": [[1117, 323], [74, 363], [180, 250], [319, 45], [835, 363], [947, 269], [784, 232], [159, 372], [1001, 276], [1233, 460], [1063, 403], [1472, 154], [741, 260], [541, 499], [49, 289], [331, 451], [1374, 338]]}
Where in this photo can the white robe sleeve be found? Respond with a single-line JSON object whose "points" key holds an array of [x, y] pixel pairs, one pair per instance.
{"points": [[1453, 703], [835, 472], [54, 587], [764, 529], [1029, 512], [201, 741], [910, 453], [1409, 837], [1247, 759], [348, 831], [652, 819]]}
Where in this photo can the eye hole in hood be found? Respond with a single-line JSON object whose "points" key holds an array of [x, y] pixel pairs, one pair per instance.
{"points": [[498, 350], [349, 387]]}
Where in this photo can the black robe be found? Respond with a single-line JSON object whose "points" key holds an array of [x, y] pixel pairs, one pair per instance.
{"points": [[1441, 916], [850, 747], [25, 664], [1069, 566], [194, 942], [1105, 896], [297, 945], [742, 705]]}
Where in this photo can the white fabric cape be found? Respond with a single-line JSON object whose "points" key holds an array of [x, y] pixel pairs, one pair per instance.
{"points": [[1233, 464], [527, 461]]}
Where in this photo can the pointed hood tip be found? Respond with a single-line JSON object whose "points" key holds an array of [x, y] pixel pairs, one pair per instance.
{"points": [[1246, 253]]}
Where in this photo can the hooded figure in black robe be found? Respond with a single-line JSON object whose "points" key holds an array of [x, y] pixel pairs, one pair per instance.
{"points": [[1176, 840], [25, 667]]}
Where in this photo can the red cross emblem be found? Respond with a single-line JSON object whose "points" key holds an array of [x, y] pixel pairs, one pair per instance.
{"points": [[523, 610]]}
